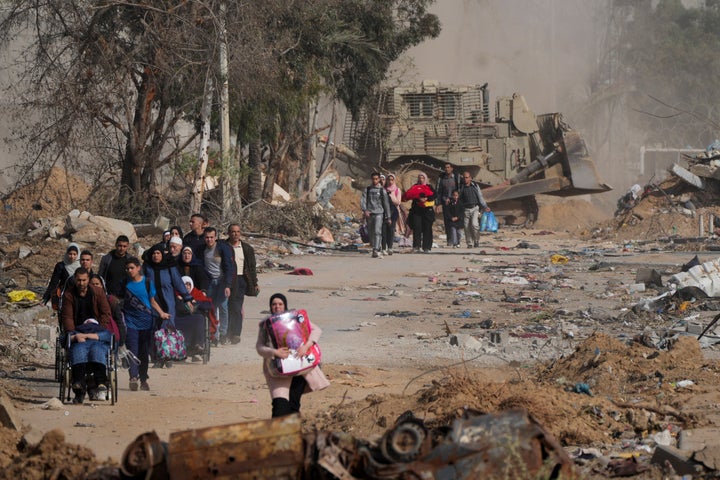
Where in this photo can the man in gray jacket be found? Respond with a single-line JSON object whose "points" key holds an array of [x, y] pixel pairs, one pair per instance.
{"points": [[472, 200], [376, 210]]}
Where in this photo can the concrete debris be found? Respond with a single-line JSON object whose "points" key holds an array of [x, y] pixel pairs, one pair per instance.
{"points": [[9, 417]]}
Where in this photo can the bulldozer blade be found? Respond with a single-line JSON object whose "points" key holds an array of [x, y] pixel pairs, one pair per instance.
{"points": [[582, 171]]}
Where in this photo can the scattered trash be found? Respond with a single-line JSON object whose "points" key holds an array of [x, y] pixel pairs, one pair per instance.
{"points": [[20, 295], [301, 271], [558, 259], [582, 388]]}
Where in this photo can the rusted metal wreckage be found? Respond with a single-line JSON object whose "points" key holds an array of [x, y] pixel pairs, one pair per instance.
{"points": [[510, 444]]}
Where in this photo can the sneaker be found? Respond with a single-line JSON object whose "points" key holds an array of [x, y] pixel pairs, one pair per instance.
{"points": [[416, 250], [426, 251], [223, 340], [168, 364], [389, 251], [235, 339], [196, 358], [158, 364], [101, 392], [133, 384], [215, 342], [93, 395], [476, 244], [457, 245], [375, 254], [79, 398], [144, 385]]}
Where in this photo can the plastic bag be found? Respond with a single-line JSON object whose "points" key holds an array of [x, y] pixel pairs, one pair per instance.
{"points": [[489, 222]]}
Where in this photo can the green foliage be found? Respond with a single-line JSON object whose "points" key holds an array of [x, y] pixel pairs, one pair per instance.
{"points": [[668, 53], [110, 82]]}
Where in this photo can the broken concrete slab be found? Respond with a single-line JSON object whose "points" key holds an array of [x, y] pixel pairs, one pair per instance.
{"points": [[705, 442], [680, 460], [9, 417], [690, 178]]}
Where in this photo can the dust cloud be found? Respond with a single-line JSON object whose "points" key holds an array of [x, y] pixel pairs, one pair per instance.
{"points": [[544, 49]]}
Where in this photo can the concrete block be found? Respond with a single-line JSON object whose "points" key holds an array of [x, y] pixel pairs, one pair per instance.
{"points": [[466, 341], [8, 415], [499, 337], [25, 316], [695, 328], [43, 333], [679, 459]]}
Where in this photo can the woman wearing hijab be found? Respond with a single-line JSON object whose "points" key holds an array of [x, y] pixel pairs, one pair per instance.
{"points": [[192, 323], [388, 230], [287, 391], [163, 274], [422, 213], [62, 271], [190, 266]]}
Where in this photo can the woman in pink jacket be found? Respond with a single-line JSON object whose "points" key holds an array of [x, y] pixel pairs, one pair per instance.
{"points": [[287, 391]]}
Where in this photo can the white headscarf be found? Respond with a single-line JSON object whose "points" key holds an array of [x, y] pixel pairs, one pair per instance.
{"points": [[70, 267], [189, 280]]}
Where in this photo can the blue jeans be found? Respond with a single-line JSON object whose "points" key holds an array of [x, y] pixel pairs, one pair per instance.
{"points": [[91, 350], [140, 342], [216, 291]]}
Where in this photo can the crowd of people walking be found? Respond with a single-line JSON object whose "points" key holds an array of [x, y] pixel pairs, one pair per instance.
{"points": [[175, 285], [458, 198]]}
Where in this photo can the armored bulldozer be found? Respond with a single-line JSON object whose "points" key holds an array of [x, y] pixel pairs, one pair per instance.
{"points": [[514, 155]]}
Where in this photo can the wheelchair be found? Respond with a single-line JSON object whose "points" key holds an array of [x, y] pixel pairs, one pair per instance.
{"points": [[207, 340], [63, 369]]}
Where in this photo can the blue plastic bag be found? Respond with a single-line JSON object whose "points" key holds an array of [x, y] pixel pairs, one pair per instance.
{"points": [[489, 222]]}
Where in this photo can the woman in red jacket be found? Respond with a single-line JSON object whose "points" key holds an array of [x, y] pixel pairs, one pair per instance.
{"points": [[422, 213]]}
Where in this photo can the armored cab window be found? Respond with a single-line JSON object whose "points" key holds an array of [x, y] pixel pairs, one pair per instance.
{"points": [[448, 104], [420, 105]]}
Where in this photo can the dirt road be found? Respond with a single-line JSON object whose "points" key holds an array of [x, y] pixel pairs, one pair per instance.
{"points": [[385, 322]]}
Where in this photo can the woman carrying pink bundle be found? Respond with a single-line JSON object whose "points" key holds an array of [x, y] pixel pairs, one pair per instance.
{"points": [[286, 391]]}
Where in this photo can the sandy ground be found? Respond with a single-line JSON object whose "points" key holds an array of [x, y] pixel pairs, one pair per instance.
{"points": [[385, 335]]}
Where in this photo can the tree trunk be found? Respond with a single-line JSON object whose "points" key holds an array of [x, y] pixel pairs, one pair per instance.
{"points": [[326, 153], [309, 154], [255, 187], [202, 154], [229, 194]]}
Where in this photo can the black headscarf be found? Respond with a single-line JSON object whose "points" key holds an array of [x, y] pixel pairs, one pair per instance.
{"points": [[281, 297], [157, 267]]}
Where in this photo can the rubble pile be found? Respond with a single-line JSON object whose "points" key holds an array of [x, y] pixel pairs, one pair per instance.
{"points": [[51, 193], [684, 205]]}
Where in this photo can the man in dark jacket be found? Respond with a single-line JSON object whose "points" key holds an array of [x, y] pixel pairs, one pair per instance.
{"points": [[112, 267], [195, 238], [246, 282], [220, 267], [446, 185]]}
